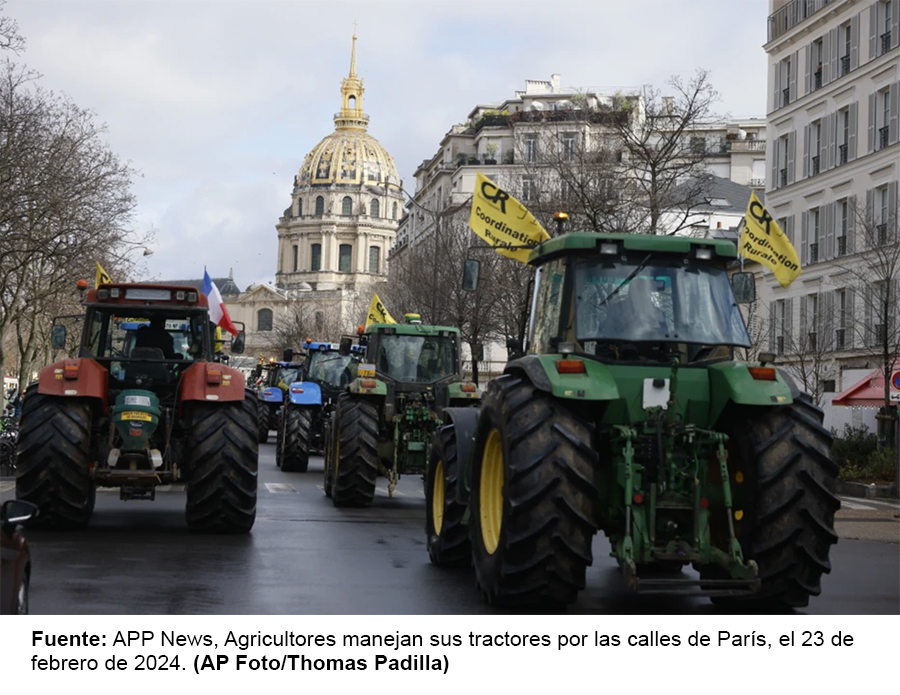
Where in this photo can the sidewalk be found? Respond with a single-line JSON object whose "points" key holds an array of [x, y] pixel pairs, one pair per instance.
{"points": [[866, 519]]}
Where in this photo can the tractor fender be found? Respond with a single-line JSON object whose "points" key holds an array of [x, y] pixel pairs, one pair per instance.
{"points": [[731, 382], [464, 421], [595, 383], [75, 377], [305, 393], [272, 394], [455, 392], [211, 381]]}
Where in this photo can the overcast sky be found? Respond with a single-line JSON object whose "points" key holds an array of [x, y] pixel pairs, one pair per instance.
{"points": [[216, 103]]}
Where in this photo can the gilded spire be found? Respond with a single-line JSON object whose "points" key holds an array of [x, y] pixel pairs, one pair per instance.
{"points": [[353, 53], [351, 115]]}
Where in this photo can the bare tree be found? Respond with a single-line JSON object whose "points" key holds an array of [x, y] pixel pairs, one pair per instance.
{"points": [[305, 319], [875, 289], [634, 164], [66, 203], [807, 354], [10, 39]]}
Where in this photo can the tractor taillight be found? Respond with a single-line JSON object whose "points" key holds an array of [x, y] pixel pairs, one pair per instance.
{"points": [[368, 383], [762, 373], [70, 371], [213, 375], [570, 366], [468, 388]]}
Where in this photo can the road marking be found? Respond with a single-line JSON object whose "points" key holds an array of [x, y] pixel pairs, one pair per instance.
{"points": [[276, 488], [847, 504], [7, 485], [884, 503], [381, 491]]}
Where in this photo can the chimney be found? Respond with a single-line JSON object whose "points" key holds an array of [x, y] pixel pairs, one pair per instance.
{"points": [[554, 84], [719, 224]]}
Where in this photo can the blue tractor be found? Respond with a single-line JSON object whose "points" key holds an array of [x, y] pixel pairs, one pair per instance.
{"points": [[323, 377], [276, 379]]}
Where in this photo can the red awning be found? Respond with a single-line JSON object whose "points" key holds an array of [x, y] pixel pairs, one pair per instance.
{"points": [[868, 391]]}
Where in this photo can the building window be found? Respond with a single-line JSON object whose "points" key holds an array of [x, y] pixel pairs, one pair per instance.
{"points": [[828, 386], [264, 320], [531, 147], [374, 259], [846, 34], [394, 211], [528, 188], [347, 206], [786, 67], [320, 205], [840, 334], [374, 208], [815, 148], [299, 207], [814, 236], [844, 212], [568, 146], [885, 38], [881, 229], [844, 135], [345, 258], [780, 326], [296, 257], [783, 170], [812, 321], [316, 256], [816, 55]]}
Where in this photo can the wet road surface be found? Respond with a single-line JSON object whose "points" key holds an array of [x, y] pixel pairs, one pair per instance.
{"points": [[304, 556]]}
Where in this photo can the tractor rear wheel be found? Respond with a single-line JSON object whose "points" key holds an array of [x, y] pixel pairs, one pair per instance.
{"points": [[787, 524], [223, 455], [54, 459], [448, 537], [356, 456], [294, 447], [264, 422], [533, 500]]}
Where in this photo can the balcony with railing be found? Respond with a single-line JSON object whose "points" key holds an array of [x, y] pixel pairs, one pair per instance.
{"points": [[885, 42], [792, 14], [783, 177], [785, 96], [845, 65], [881, 233], [842, 246], [779, 345], [811, 342], [883, 137], [817, 79], [840, 338], [842, 154], [813, 253], [758, 182], [814, 166], [745, 145]]}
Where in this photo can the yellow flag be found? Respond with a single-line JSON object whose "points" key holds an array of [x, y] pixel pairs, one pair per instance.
{"points": [[102, 277], [763, 241], [377, 312], [503, 222]]}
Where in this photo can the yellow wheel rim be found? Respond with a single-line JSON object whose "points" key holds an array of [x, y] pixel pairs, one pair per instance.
{"points": [[437, 498], [490, 494]]}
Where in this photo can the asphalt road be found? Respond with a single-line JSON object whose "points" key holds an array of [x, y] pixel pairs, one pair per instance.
{"points": [[304, 556]]}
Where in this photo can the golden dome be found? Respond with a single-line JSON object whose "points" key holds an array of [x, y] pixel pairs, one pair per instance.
{"points": [[349, 155]]}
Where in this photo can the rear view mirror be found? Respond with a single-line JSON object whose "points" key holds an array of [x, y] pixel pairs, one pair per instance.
{"points": [[744, 286], [345, 347], [58, 337], [237, 345], [470, 275], [287, 355]]}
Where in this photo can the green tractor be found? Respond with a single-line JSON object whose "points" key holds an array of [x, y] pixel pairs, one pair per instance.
{"points": [[629, 414], [385, 419]]}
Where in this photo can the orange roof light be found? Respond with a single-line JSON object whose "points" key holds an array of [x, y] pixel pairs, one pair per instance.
{"points": [[82, 284]]}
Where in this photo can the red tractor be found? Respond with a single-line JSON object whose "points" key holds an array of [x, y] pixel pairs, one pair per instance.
{"points": [[143, 404]]}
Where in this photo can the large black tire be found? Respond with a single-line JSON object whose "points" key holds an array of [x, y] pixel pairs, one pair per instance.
{"points": [[296, 425], [54, 459], [330, 438], [223, 455], [264, 421], [356, 455], [789, 502], [547, 513], [447, 536]]}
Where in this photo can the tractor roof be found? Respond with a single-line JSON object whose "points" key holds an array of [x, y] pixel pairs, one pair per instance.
{"points": [[146, 295], [590, 241], [410, 329]]}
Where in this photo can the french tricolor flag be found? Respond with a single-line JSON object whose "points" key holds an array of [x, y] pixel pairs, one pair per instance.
{"points": [[218, 314]]}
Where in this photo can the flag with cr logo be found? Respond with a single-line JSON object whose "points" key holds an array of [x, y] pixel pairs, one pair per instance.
{"points": [[763, 241], [503, 222], [378, 313]]}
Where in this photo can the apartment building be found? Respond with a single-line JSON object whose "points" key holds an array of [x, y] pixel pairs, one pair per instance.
{"points": [[834, 166]]}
